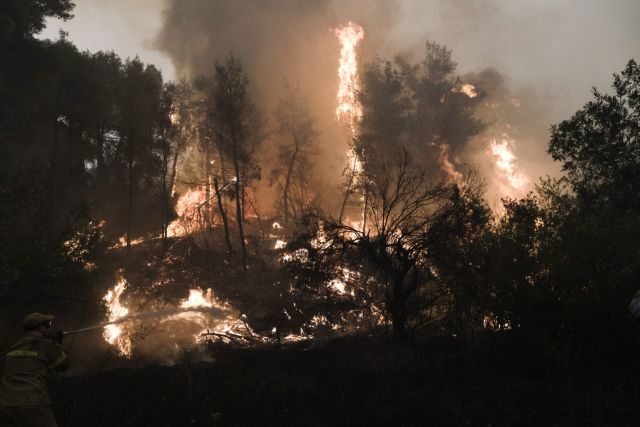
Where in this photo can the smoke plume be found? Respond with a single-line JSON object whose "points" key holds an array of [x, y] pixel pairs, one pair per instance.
{"points": [[535, 61]]}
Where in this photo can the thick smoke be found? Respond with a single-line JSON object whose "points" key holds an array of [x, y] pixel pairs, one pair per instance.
{"points": [[288, 40], [547, 56]]}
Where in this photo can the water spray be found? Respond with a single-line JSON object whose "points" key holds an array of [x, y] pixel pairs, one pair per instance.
{"points": [[147, 316]]}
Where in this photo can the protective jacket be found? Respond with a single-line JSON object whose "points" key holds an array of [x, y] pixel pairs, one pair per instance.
{"points": [[26, 365]]}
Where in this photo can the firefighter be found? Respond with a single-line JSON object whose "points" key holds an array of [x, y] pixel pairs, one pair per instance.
{"points": [[24, 400]]}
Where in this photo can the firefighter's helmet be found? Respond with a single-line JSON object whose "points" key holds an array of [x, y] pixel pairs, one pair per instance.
{"points": [[33, 320]]}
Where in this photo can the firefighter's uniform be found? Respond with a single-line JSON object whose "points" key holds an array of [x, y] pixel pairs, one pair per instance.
{"points": [[24, 400]]}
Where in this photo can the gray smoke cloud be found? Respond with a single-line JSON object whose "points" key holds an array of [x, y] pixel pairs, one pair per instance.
{"points": [[282, 40], [536, 59]]}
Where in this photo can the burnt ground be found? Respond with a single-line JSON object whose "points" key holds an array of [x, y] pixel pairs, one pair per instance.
{"points": [[350, 381]]}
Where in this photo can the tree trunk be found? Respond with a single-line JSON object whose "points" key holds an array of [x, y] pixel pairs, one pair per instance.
{"points": [[364, 209], [346, 194], [174, 170], [223, 215], [223, 172], [243, 210], [100, 154], [239, 218], [44, 207], [253, 206], [287, 183], [130, 206], [165, 195], [398, 314], [207, 191], [53, 158]]}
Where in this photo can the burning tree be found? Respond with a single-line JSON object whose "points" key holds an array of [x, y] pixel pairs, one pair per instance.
{"points": [[239, 130], [422, 107], [176, 128], [406, 121], [403, 207], [233, 126]]}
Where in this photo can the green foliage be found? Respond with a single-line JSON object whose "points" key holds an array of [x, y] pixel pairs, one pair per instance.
{"points": [[72, 125], [418, 107], [88, 137], [23, 18], [599, 147], [566, 261], [459, 248], [562, 275]]}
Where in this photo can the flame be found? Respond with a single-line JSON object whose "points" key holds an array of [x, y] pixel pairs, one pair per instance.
{"points": [[300, 255], [339, 283], [122, 242], [469, 90], [192, 309], [187, 211], [349, 109], [505, 163], [226, 329], [197, 299], [113, 333]]}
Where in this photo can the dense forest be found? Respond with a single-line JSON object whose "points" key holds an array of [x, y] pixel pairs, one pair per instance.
{"points": [[108, 170]]}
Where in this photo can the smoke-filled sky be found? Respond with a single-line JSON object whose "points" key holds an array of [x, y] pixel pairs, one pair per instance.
{"points": [[548, 53]]}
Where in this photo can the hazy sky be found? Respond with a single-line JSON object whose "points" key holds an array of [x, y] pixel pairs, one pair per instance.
{"points": [[127, 27], [569, 45], [549, 52]]}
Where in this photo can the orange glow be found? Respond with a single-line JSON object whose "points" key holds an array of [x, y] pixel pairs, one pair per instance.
{"points": [[198, 299], [214, 319], [188, 213], [113, 334], [349, 110], [506, 166], [469, 90], [356, 165], [122, 242]]}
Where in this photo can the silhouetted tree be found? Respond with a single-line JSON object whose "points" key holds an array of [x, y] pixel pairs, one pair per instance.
{"points": [[239, 126], [599, 147], [403, 208], [419, 107], [139, 104], [459, 248], [295, 125]]}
